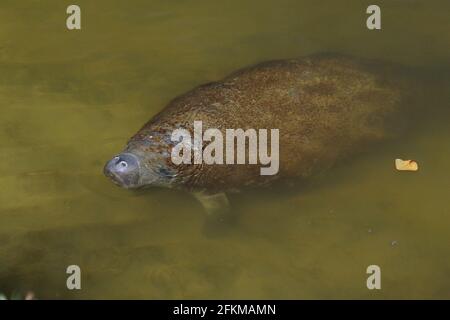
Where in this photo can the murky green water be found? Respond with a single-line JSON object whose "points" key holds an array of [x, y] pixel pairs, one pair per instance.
{"points": [[70, 99]]}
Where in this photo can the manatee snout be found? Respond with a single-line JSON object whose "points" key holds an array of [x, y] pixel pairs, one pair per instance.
{"points": [[124, 170]]}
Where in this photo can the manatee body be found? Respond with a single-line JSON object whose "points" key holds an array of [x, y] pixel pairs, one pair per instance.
{"points": [[326, 107]]}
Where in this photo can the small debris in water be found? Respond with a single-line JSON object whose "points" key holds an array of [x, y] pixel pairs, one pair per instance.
{"points": [[394, 243], [369, 230], [406, 165]]}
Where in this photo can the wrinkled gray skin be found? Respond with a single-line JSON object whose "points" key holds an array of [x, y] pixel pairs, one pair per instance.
{"points": [[124, 170]]}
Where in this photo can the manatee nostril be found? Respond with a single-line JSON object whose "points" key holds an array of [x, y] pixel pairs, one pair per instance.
{"points": [[123, 164]]}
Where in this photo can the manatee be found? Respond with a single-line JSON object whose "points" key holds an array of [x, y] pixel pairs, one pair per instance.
{"points": [[326, 107]]}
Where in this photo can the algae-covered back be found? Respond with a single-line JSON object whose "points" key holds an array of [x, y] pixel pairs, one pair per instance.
{"points": [[325, 106]]}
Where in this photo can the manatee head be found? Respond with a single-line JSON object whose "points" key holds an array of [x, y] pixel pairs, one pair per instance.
{"points": [[141, 164]]}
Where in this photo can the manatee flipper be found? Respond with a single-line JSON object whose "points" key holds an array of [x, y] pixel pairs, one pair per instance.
{"points": [[216, 205], [218, 211]]}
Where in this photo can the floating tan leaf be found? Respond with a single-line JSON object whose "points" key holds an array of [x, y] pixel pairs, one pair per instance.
{"points": [[406, 165]]}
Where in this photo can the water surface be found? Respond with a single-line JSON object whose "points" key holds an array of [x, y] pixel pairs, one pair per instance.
{"points": [[69, 100]]}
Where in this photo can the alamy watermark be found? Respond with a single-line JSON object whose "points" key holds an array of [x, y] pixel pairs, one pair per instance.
{"points": [[374, 279], [233, 150], [73, 281]]}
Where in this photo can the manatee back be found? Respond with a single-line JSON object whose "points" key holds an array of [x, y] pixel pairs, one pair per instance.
{"points": [[325, 107]]}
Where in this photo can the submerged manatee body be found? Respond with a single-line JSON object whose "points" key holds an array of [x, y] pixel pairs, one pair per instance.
{"points": [[325, 106]]}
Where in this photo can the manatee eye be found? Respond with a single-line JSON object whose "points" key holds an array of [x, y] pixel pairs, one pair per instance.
{"points": [[123, 164]]}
